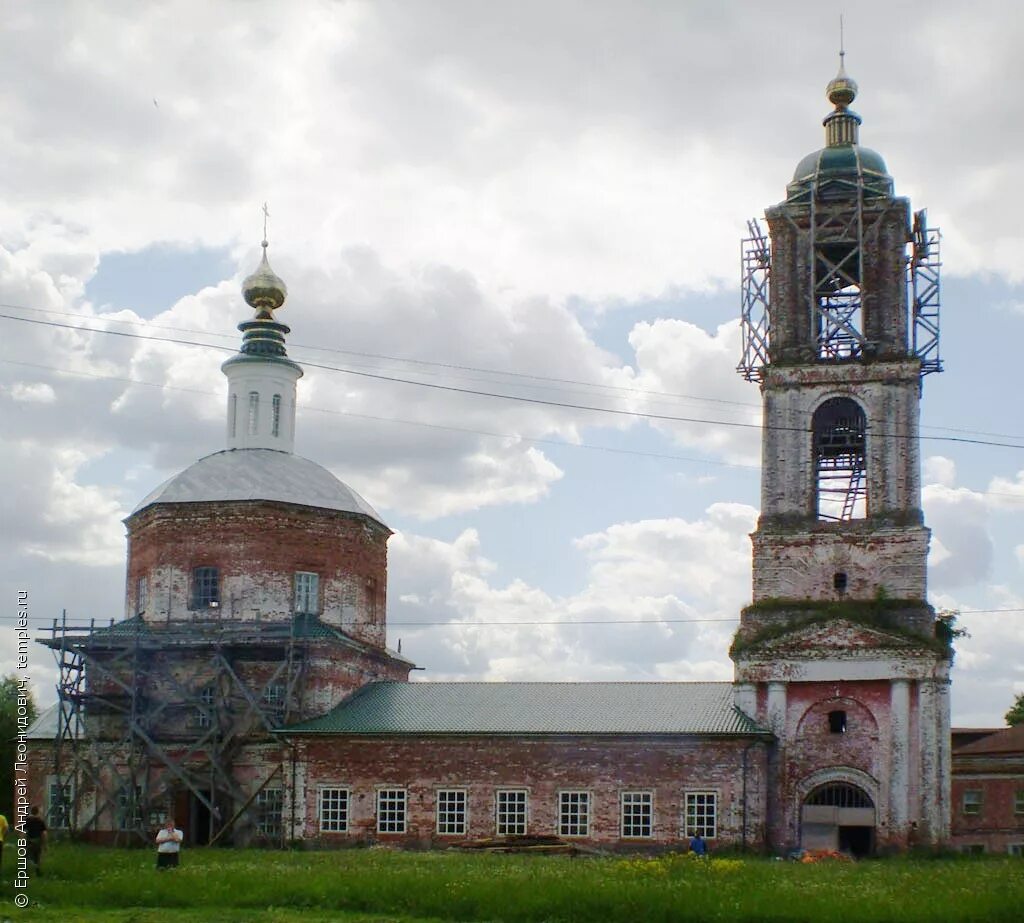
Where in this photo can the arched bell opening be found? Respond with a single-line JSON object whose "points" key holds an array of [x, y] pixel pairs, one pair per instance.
{"points": [[840, 461], [838, 816]]}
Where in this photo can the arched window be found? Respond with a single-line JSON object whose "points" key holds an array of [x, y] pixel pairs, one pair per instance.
{"points": [[275, 424], [254, 412], [840, 795], [234, 415], [840, 461]]}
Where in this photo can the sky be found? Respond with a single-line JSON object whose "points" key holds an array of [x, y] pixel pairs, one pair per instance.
{"points": [[537, 200]]}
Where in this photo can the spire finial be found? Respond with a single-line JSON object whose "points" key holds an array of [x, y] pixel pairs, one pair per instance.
{"points": [[264, 290], [842, 58], [266, 215], [841, 90]]}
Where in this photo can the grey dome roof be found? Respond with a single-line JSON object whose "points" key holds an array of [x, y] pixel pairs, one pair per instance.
{"points": [[260, 474]]}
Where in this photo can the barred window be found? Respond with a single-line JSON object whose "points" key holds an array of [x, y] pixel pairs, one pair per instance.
{"points": [[451, 812], [333, 810], [510, 808], [391, 810], [205, 588], [307, 593], [254, 412], [637, 814], [269, 804], [702, 814], [972, 802], [275, 417], [573, 813]]}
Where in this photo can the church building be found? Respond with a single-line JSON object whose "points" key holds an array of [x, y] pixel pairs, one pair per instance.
{"points": [[249, 689]]}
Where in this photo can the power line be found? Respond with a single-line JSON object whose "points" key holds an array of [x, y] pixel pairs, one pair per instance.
{"points": [[469, 391], [663, 418]]}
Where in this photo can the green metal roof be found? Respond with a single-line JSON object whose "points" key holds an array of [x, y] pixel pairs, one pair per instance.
{"points": [[844, 167], [534, 708]]}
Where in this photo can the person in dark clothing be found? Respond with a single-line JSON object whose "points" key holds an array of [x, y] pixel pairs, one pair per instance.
{"points": [[698, 845], [35, 833]]}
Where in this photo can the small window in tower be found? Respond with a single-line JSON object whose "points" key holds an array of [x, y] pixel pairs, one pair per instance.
{"points": [[205, 588], [307, 593], [254, 412], [840, 460], [839, 581], [837, 722], [233, 414], [275, 424], [141, 594]]}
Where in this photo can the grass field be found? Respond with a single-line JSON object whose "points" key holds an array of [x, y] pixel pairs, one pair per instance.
{"points": [[382, 886]]}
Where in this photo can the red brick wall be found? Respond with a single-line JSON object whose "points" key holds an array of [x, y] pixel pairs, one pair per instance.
{"points": [[996, 825], [605, 767], [258, 547]]}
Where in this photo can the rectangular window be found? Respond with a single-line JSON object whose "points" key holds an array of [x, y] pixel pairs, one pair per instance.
{"points": [[391, 810], [1018, 801], [573, 813], [510, 808], [333, 810], [205, 588], [973, 849], [59, 799], [269, 803], [233, 415], [637, 814], [451, 812], [274, 698], [204, 711], [972, 802], [275, 418], [1016, 849], [702, 814], [129, 807], [254, 412], [141, 594], [307, 593]]}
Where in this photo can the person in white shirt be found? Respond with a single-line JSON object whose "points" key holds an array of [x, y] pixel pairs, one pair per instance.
{"points": [[168, 845]]}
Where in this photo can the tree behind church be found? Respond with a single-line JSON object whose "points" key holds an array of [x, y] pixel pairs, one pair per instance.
{"points": [[9, 691], [1015, 715]]}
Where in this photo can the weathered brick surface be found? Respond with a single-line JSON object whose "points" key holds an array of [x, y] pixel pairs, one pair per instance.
{"points": [[998, 824], [259, 547], [603, 766]]}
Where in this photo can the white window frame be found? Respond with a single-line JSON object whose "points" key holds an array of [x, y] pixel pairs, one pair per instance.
{"points": [[574, 812], [234, 415], [392, 809], [451, 812], [972, 801], [207, 696], [1018, 801], [511, 811], [696, 816], [270, 807], [54, 803], [1015, 849], [307, 592], [129, 816], [636, 811], [334, 808]]}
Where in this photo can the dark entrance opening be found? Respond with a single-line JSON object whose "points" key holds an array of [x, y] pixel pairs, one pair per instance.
{"points": [[200, 820], [857, 841]]}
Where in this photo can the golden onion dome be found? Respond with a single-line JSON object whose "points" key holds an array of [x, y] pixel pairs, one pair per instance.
{"points": [[841, 90], [264, 290]]}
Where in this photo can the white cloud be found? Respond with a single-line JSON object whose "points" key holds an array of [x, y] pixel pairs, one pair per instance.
{"points": [[958, 518], [937, 469]]}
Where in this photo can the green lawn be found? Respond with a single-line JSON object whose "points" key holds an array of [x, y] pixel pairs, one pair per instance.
{"points": [[382, 886]]}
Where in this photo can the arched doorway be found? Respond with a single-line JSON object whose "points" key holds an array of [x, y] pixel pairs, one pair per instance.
{"points": [[838, 815]]}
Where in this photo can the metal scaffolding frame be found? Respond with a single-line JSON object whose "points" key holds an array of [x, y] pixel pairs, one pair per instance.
{"points": [[147, 712], [925, 264], [755, 318]]}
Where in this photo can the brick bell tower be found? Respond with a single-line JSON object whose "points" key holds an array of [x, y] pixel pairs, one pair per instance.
{"points": [[839, 652]]}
